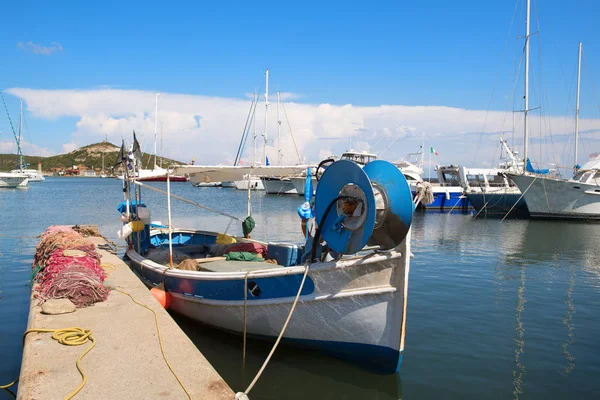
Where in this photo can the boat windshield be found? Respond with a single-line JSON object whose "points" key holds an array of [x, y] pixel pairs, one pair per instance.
{"points": [[583, 176], [359, 158], [450, 178]]}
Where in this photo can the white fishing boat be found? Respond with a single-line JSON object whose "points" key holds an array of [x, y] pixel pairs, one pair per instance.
{"points": [[555, 198], [10, 180], [346, 298]]}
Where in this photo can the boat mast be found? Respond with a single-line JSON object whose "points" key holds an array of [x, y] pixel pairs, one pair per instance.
{"points": [[254, 128], [20, 132], [278, 132], [155, 127], [266, 116], [577, 105], [526, 97]]}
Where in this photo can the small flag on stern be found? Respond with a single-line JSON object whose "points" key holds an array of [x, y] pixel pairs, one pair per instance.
{"points": [[432, 151], [267, 161]]}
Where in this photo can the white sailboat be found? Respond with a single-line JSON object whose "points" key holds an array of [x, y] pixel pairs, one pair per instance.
{"points": [[556, 198], [274, 184], [250, 182], [31, 174]]}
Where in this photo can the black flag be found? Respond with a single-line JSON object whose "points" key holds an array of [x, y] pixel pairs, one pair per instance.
{"points": [[121, 157], [137, 152]]}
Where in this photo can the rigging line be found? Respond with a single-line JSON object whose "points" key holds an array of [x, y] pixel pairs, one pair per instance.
{"points": [[544, 91], [496, 79], [244, 133], [189, 201], [251, 122], [591, 80], [248, 132], [292, 133], [12, 127]]}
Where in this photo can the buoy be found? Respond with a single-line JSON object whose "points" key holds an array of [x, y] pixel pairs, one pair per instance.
{"points": [[161, 295]]}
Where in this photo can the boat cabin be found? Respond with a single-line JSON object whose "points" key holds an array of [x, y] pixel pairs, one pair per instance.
{"points": [[361, 158]]}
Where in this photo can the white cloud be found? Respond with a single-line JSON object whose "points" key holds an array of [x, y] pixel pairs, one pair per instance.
{"points": [[40, 49], [208, 129], [69, 147], [28, 149]]}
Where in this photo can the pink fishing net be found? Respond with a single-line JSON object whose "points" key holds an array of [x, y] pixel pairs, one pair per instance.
{"points": [[67, 265]]}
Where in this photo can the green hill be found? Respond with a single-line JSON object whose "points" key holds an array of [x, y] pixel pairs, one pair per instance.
{"points": [[89, 157]]}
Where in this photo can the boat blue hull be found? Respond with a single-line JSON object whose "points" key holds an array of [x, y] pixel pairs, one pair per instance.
{"points": [[455, 201]]}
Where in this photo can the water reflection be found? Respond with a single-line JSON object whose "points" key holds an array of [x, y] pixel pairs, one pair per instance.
{"points": [[292, 373]]}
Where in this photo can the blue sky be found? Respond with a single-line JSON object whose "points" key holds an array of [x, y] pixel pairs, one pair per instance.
{"points": [[434, 53]]}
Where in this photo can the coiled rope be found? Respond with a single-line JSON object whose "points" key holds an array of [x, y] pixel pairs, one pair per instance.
{"points": [[74, 336]]}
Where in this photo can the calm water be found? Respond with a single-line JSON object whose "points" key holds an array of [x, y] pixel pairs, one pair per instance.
{"points": [[497, 310]]}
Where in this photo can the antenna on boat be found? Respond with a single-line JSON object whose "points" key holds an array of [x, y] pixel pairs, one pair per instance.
{"points": [[575, 167], [526, 97]]}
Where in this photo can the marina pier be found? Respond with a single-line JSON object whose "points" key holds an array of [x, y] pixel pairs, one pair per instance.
{"points": [[126, 361]]}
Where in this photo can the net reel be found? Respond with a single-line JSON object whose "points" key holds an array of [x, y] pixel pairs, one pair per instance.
{"points": [[357, 206]]}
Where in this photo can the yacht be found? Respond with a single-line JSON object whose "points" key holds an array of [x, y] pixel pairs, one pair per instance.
{"points": [[10, 180], [31, 174]]}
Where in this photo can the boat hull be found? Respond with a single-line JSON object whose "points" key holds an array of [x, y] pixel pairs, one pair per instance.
{"points": [[552, 198], [353, 309], [499, 203], [446, 198], [299, 184], [11, 181], [278, 186], [255, 184]]}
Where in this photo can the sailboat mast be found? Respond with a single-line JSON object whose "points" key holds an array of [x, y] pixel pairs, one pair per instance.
{"points": [[20, 132], [526, 97], [577, 104], [254, 128], [155, 127], [266, 116], [278, 131]]}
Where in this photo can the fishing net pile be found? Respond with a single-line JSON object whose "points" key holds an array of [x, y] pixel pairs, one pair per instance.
{"points": [[67, 265]]}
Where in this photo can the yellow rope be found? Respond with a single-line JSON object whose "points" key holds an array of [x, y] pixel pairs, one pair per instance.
{"points": [[73, 336], [159, 340]]}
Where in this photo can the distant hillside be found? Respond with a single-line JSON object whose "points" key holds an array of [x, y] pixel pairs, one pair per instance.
{"points": [[88, 156]]}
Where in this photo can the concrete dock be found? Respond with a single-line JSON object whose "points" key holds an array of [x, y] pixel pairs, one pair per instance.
{"points": [[126, 362]]}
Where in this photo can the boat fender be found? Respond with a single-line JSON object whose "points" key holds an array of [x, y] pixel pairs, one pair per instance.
{"points": [[161, 295], [124, 217]]}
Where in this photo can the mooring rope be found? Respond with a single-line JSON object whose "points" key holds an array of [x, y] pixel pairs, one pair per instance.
{"points": [[244, 395], [519, 199]]}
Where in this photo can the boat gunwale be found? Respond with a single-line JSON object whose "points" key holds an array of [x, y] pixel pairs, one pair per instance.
{"points": [[353, 261]]}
